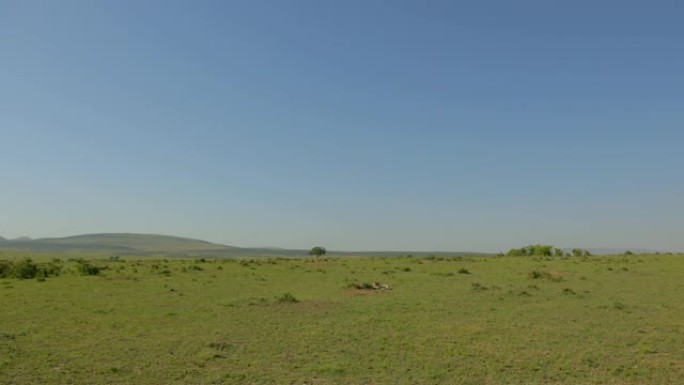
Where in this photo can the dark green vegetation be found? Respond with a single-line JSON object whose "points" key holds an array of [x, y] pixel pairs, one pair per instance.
{"points": [[479, 320], [25, 268], [317, 251], [546, 251]]}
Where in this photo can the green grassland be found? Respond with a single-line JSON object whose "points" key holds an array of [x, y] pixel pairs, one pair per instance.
{"points": [[464, 320]]}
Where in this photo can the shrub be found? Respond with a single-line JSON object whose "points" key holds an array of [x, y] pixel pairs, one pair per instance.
{"points": [[580, 253], [220, 345], [49, 269], [536, 274], [478, 287], [5, 269], [287, 298], [25, 269], [463, 270], [86, 268]]}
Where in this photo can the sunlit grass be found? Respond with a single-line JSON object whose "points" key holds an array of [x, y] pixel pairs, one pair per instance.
{"points": [[612, 320]]}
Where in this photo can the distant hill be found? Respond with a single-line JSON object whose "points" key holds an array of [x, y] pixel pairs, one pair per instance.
{"points": [[154, 244], [613, 251], [115, 243], [140, 242]]}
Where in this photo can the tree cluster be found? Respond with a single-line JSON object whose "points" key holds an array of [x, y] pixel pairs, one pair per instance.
{"points": [[546, 251]]}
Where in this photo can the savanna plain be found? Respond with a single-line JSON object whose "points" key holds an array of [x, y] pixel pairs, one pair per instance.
{"points": [[399, 320]]}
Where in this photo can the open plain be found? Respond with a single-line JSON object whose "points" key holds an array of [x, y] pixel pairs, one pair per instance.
{"points": [[402, 320]]}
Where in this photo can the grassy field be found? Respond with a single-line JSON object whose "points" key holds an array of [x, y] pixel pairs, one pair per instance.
{"points": [[596, 320]]}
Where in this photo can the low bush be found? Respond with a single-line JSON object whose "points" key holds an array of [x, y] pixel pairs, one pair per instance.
{"points": [[86, 268], [569, 291], [287, 298], [5, 269], [478, 287], [536, 274], [49, 270], [24, 269], [220, 345]]}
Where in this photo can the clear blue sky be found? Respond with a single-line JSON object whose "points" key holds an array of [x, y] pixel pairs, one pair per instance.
{"points": [[433, 125]]}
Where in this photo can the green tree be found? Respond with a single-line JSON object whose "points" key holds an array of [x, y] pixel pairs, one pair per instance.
{"points": [[516, 252], [317, 251], [532, 250], [542, 250], [581, 253]]}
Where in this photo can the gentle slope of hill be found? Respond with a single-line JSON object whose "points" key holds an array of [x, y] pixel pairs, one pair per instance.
{"points": [[142, 242], [112, 243], [150, 244]]}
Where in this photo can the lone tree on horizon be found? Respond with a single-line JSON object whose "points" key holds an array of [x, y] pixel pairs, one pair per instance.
{"points": [[317, 251]]}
